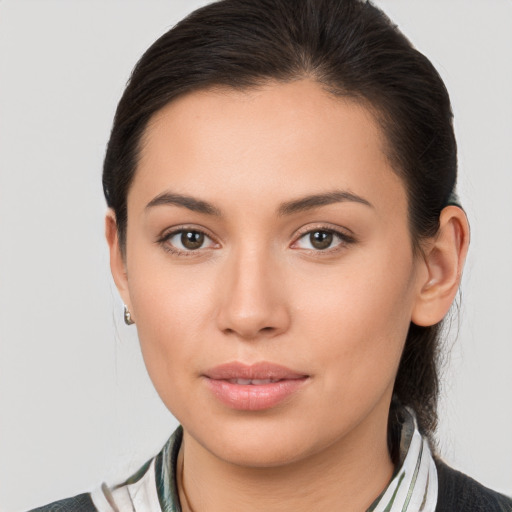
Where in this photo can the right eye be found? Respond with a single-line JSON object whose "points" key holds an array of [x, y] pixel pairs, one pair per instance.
{"points": [[186, 241]]}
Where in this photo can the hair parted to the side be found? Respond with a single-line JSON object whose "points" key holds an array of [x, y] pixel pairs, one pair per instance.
{"points": [[353, 50]]}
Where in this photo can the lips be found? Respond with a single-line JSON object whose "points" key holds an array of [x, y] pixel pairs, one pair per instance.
{"points": [[253, 387], [252, 382]]}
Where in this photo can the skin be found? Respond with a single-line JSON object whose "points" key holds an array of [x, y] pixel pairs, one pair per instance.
{"points": [[258, 290]]}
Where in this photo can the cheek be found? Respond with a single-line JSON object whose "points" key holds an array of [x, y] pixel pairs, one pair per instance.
{"points": [[358, 318], [173, 305]]}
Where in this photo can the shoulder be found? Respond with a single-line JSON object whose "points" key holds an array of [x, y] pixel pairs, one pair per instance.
{"points": [[460, 492], [153, 484], [80, 503]]}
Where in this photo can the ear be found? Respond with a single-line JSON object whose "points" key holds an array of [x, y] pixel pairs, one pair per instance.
{"points": [[117, 262], [443, 261]]}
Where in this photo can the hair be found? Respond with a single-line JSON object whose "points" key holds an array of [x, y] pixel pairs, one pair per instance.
{"points": [[351, 49]]}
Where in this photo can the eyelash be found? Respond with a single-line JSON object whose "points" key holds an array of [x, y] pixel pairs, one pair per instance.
{"points": [[344, 240]]}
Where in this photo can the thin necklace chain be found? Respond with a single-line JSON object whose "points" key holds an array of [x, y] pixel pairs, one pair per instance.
{"points": [[183, 490]]}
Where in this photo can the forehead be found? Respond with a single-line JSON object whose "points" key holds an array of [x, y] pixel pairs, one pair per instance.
{"points": [[281, 139]]}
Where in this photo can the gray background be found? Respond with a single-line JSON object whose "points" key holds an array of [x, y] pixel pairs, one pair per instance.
{"points": [[76, 405]]}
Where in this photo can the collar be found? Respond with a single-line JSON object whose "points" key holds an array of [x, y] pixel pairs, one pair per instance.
{"points": [[413, 487]]}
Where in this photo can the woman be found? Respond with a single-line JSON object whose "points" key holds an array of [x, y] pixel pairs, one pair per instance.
{"points": [[284, 232]]}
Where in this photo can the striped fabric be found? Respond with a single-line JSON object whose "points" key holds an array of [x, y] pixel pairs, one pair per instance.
{"points": [[153, 488], [414, 486]]}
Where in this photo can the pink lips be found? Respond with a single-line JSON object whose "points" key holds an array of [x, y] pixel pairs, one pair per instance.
{"points": [[253, 387]]}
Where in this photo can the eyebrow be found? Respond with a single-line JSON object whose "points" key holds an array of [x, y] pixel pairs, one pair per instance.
{"points": [[189, 202], [313, 201], [287, 208]]}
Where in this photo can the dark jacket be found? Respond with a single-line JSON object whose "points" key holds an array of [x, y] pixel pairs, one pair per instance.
{"points": [[459, 493]]}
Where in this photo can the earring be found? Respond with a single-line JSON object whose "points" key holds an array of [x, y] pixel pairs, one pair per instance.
{"points": [[127, 316]]}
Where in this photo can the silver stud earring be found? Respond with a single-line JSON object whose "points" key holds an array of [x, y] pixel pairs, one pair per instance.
{"points": [[127, 316]]}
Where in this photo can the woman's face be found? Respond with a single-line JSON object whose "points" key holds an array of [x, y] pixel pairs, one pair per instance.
{"points": [[270, 270]]}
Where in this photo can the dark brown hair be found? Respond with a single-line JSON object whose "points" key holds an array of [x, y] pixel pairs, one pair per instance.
{"points": [[352, 49]]}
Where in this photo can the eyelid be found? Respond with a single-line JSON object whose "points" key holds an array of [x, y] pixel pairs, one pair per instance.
{"points": [[323, 226]]}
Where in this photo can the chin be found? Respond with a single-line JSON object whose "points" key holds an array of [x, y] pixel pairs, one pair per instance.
{"points": [[263, 442], [261, 453]]}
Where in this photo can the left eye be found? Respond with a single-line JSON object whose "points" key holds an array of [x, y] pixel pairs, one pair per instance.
{"points": [[189, 240], [320, 240]]}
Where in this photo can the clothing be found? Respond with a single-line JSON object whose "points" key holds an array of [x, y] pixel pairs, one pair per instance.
{"points": [[414, 483], [458, 492], [419, 484]]}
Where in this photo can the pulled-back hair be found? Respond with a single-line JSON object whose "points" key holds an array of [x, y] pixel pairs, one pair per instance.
{"points": [[351, 49]]}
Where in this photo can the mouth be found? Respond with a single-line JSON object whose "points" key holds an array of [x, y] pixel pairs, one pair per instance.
{"points": [[253, 387], [253, 382], [252, 373]]}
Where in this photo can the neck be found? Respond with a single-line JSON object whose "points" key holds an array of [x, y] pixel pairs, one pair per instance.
{"points": [[349, 473]]}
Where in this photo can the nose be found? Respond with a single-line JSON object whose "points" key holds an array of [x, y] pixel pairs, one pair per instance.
{"points": [[253, 302]]}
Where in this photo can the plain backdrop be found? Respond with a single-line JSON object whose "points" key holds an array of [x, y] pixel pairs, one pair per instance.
{"points": [[76, 405]]}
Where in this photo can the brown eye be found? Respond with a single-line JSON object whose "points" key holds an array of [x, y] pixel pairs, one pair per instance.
{"points": [[326, 240], [321, 239], [184, 241], [192, 239]]}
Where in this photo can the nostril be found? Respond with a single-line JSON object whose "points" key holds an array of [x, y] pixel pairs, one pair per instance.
{"points": [[251, 333]]}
